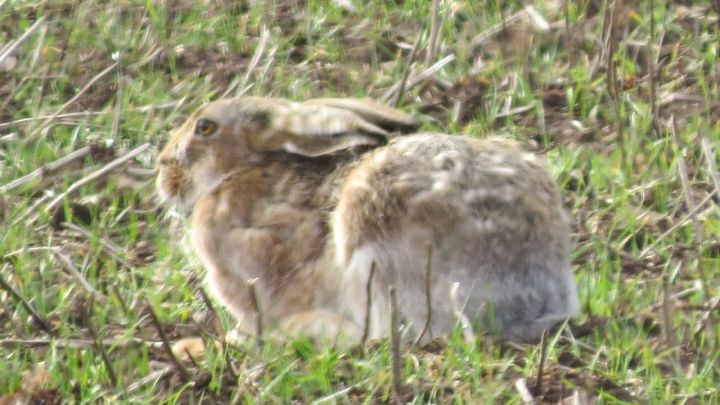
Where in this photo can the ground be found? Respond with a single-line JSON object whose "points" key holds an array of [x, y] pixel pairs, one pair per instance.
{"points": [[623, 97]]}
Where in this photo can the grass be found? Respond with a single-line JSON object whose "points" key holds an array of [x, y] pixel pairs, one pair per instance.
{"points": [[640, 254]]}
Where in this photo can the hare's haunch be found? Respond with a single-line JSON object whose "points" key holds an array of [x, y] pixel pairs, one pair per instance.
{"points": [[305, 197]]}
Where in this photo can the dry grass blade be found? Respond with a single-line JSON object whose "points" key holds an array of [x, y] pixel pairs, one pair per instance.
{"points": [[419, 78], [684, 221], [406, 73], [102, 172], [48, 168], [465, 324], [480, 39], [524, 392], [9, 49], [257, 56], [77, 96], [434, 31]]}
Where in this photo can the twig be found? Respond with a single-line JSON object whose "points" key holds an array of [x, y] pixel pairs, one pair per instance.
{"points": [[70, 267], [525, 393], [428, 297], [368, 304], [16, 295], [7, 50], [395, 342], [79, 94], [166, 344], [48, 168], [467, 330], [258, 311], [434, 32], [102, 172], [541, 366], [406, 72], [98, 346]]}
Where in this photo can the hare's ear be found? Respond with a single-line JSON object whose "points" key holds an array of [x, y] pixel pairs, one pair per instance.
{"points": [[387, 118], [315, 130]]}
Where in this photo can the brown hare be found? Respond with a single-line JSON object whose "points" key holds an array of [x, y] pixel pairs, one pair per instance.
{"points": [[304, 198]]}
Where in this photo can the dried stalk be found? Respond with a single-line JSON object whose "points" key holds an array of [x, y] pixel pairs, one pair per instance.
{"points": [[406, 72], [368, 304], [465, 324], [254, 61], [75, 273], [16, 295], [98, 174], [428, 297], [434, 32], [98, 346], [166, 345]]}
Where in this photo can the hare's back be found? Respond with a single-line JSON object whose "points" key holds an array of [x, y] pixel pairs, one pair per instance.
{"points": [[490, 212], [435, 183]]}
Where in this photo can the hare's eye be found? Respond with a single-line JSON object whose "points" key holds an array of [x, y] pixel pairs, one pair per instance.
{"points": [[205, 127]]}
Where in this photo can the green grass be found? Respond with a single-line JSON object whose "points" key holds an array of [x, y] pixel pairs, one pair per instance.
{"points": [[638, 257]]}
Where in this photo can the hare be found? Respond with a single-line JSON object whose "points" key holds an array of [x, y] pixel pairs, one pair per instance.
{"points": [[304, 199]]}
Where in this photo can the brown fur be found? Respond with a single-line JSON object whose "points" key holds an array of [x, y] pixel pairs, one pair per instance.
{"points": [[300, 199]]}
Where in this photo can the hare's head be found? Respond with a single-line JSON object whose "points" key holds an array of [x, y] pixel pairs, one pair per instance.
{"points": [[226, 135]]}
